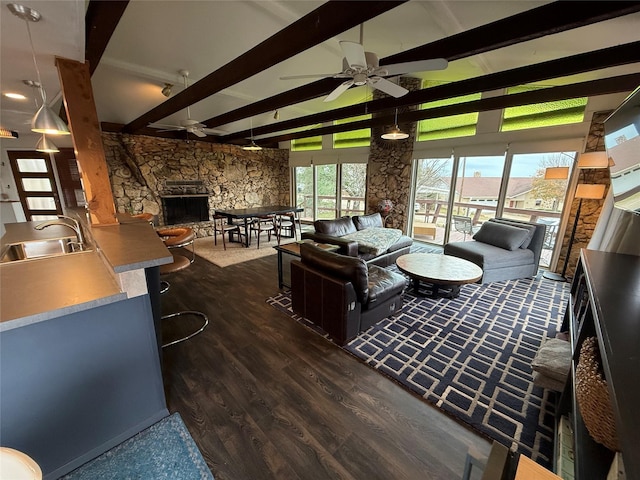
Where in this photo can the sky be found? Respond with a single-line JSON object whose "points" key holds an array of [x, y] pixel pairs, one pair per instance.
{"points": [[523, 165]]}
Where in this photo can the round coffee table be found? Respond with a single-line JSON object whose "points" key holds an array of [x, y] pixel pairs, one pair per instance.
{"points": [[444, 273]]}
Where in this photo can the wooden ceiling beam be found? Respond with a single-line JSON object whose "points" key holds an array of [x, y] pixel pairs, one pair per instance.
{"points": [[323, 23], [538, 22], [622, 83], [101, 20], [585, 62]]}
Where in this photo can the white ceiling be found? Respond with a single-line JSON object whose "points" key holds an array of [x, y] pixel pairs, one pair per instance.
{"points": [[155, 39]]}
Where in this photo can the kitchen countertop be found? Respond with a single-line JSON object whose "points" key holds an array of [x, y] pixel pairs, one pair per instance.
{"points": [[44, 288]]}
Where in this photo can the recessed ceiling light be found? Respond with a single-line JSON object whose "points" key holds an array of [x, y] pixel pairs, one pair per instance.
{"points": [[15, 96]]}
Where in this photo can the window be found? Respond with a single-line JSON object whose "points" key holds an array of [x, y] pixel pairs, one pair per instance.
{"points": [[352, 138], [462, 125], [544, 114], [306, 144]]}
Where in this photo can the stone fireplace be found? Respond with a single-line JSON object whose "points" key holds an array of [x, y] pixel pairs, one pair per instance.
{"points": [[200, 177]]}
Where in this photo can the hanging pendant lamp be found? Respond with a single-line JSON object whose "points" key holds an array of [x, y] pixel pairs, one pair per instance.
{"points": [[252, 147], [45, 120], [395, 133], [46, 146]]}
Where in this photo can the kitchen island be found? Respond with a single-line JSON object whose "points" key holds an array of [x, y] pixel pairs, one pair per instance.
{"points": [[79, 359]]}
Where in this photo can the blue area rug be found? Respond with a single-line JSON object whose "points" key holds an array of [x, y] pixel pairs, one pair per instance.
{"points": [[165, 450], [471, 356]]}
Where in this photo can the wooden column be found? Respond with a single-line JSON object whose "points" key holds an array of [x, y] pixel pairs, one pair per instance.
{"points": [[79, 104]]}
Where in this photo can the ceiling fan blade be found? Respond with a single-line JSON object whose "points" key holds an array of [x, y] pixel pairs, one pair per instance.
{"points": [[354, 53], [339, 91], [387, 87], [311, 75], [197, 132], [214, 131], [165, 127], [417, 66]]}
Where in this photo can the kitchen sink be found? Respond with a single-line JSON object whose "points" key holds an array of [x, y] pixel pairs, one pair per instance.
{"points": [[39, 249]]}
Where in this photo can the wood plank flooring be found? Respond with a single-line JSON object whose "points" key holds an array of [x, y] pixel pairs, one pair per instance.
{"points": [[266, 398]]}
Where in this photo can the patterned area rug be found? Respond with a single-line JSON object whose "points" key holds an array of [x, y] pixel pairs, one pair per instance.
{"points": [[165, 450], [471, 356], [235, 252]]}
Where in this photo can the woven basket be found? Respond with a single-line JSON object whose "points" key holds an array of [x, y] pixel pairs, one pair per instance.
{"points": [[593, 396]]}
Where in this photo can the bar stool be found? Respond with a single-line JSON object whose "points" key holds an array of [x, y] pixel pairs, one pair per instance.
{"points": [[174, 238]]}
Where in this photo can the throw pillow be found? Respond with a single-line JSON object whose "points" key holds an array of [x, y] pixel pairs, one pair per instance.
{"points": [[336, 228], [553, 359], [500, 235], [367, 221], [530, 228]]}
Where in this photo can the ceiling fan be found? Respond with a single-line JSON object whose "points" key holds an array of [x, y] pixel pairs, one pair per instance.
{"points": [[188, 124], [362, 68]]}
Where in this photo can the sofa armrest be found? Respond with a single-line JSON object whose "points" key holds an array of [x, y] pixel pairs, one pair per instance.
{"points": [[347, 247]]}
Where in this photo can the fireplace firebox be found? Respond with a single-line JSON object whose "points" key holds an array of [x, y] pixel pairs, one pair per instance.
{"points": [[185, 209]]}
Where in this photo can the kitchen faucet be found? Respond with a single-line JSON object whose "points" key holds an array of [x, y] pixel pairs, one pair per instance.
{"points": [[76, 227]]}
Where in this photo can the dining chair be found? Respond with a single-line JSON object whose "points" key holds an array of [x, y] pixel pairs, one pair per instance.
{"points": [[286, 222], [264, 224], [463, 225], [223, 227]]}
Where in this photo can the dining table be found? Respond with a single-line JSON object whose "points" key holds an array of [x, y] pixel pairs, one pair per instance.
{"points": [[246, 214]]}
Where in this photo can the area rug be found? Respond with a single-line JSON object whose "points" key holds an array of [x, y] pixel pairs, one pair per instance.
{"points": [[471, 356], [235, 252], [164, 450]]}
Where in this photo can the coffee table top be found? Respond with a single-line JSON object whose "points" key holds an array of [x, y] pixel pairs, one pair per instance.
{"points": [[439, 269]]}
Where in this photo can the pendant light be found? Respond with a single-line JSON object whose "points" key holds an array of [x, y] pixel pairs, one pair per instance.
{"points": [[252, 147], [45, 120], [395, 133], [45, 145]]}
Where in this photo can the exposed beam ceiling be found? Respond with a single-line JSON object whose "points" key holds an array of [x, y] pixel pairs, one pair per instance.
{"points": [[548, 19], [608, 57], [604, 86], [101, 20], [323, 23]]}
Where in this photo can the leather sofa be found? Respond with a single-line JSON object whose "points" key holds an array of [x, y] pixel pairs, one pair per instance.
{"points": [[364, 237], [343, 295], [505, 249]]}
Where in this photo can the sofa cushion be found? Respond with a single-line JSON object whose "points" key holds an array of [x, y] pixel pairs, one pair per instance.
{"points": [[485, 255], [375, 240], [383, 284], [350, 269], [501, 235], [402, 242], [337, 228], [553, 359], [514, 223], [366, 221]]}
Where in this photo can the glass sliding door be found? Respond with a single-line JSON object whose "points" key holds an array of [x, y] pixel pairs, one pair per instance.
{"points": [[431, 200], [327, 192], [303, 181], [536, 190], [476, 194], [353, 187]]}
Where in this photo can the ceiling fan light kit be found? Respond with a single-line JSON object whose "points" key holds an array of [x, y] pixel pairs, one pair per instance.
{"points": [[252, 147], [45, 120]]}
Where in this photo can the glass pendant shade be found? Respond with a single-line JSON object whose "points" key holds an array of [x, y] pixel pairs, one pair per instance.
{"points": [[46, 121], [46, 146]]}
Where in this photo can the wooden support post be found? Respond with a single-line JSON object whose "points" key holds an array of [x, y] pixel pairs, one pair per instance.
{"points": [[87, 139]]}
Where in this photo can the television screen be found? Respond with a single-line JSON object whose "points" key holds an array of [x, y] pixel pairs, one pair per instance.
{"points": [[622, 140]]}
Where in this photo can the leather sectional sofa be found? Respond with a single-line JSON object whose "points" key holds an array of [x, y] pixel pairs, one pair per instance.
{"points": [[343, 295], [364, 237]]}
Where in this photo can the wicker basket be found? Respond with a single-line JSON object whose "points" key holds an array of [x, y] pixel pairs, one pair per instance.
{"points": [[593, 397]]}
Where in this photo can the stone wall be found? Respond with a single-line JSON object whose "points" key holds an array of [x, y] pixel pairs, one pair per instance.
{"points": [[139, 167], [390, 165], [590, 209]]}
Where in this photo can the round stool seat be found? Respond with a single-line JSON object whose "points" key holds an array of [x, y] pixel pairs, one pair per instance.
{"points": [[180, 262], [174, 237], [147, 217]]}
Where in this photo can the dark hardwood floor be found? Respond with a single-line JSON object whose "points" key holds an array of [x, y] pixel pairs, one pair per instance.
{"points": [[266, 398]]}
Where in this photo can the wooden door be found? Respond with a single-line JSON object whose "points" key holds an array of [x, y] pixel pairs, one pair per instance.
{"points": [[36, 184]]}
